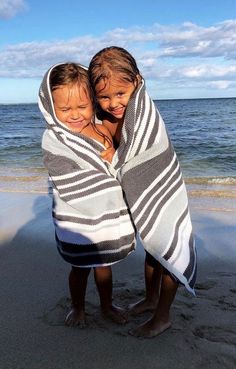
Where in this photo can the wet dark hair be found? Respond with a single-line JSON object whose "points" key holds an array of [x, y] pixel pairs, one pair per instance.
{"points": [[111, 60], [71, 73]]}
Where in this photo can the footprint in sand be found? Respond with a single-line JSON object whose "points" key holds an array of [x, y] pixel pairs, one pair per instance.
{"points": [[117, 284], [216, 334], [207, 285], [186, 317], [226, 274], [225, 303], [56, 315]]}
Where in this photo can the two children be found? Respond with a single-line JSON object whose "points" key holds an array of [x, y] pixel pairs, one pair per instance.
{"points": [[145, 173]]}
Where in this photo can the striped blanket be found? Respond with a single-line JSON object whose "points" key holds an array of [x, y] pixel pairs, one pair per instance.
{"points": [[98, 205], [150, 175], [92, 221]]}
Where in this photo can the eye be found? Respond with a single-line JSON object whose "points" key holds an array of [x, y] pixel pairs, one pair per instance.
{"points": [[104, 98]]}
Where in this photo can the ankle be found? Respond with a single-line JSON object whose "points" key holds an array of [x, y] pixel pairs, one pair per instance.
{"points": [[106, 306]]}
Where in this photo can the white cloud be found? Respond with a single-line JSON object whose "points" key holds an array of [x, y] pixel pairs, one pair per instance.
{"points": [[220, 85], [184, 55], [210, 71], [9, 8]]}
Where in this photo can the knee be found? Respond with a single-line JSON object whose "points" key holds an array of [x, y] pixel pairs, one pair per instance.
{"points": [[150, 260]]}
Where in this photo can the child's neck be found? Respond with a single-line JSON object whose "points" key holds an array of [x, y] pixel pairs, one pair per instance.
{"points": [[117, 135], [115, 129]]}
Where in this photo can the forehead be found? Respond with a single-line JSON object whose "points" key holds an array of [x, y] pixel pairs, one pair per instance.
{"points": [[112, 84], [67, 92]]}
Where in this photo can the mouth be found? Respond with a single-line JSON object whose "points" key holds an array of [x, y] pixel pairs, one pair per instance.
{"points": [[76, 122], [76, 125], [117, 112]]}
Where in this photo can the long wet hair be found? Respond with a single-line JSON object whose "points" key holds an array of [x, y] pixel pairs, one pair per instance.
{"points": [[113, 60]]}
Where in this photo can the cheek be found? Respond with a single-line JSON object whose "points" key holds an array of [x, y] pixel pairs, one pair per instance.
{"points": [[103, 104], [61, 116], [126, 99], [89, 114]]}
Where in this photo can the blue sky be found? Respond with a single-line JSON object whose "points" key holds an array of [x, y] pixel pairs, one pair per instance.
{"points": [[184, 49]]}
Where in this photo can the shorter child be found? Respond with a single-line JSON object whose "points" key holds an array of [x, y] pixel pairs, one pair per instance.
{"points": [[73, 104], [71, 131]]}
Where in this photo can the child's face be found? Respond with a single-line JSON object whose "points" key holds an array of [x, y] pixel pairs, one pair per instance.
{"points": [[113, 95], [73, 107]]}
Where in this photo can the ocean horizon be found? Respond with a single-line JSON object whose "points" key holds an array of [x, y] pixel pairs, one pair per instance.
{"points": [[203, 133], [170, 99]]}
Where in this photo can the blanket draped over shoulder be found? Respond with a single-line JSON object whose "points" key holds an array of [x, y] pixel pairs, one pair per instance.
{"points": [[92, 221], [150, 175], [100, 207]]}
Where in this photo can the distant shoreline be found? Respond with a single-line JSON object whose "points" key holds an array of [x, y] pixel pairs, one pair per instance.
{"points": [[170, 99]]}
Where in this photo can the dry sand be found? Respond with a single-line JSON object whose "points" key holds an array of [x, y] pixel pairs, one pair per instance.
{"points": [[35, 298]]}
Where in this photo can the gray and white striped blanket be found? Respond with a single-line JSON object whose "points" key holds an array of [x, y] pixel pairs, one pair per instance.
{"points": [[150, 175], [91, 196], [92, 222]]}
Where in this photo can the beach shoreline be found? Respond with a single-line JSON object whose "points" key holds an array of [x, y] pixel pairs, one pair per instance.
{"points": [[35, 296]]}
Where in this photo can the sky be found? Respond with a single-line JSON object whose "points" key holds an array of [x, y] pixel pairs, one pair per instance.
{"points": [[183, 48]]}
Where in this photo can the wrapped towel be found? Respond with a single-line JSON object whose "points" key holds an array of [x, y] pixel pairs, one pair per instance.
{"points": [[98, 206], [150, 175], [92, 222]]}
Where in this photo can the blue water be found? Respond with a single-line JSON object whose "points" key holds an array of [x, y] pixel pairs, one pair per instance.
{"points": [[203, 132]]}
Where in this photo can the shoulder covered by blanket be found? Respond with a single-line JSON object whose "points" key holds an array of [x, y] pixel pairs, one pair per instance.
{"points": [[151, 178], [144, 168], [92, 221]]}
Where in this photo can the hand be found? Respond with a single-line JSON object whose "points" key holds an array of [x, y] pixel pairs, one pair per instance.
{"points": [[108, 154]]}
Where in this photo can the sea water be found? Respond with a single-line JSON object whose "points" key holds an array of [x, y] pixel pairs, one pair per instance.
{"points": [[203, 132]]}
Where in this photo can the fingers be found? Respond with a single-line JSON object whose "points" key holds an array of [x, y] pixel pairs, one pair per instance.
{"points": [[108, 154]]}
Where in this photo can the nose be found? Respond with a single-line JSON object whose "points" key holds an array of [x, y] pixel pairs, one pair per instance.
{"points": [[75, 114], [113, 102]]}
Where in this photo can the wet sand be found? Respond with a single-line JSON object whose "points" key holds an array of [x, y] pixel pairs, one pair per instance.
{"points": [[35, 298]]}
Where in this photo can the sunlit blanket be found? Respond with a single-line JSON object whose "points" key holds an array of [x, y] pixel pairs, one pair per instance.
{"points": [[150, 175], [92, 222], [97, 205]]}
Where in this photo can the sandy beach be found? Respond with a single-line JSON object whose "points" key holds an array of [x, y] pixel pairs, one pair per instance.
{"points": [[35, 298]]}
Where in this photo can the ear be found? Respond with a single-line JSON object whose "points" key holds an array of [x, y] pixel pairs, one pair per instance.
{"points": [[138, 79]]}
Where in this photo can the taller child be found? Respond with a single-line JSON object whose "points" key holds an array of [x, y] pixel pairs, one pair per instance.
{"points": [[147, 168]]}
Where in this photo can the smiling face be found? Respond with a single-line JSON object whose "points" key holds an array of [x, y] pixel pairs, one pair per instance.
{"points": [[72, 106], [113, 95]]}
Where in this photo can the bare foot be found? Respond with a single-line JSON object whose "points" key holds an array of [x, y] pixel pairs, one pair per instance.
{"points": [[116, 314], [142, 306], [75, 317], [150, 328]]}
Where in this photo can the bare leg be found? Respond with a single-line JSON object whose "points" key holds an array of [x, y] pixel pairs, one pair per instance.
{"points": [[103, 279], [160, 320], [78, 278], [153, 275]]}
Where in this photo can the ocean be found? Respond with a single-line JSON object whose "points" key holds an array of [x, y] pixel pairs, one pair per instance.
{"points": [[203, 132]]}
